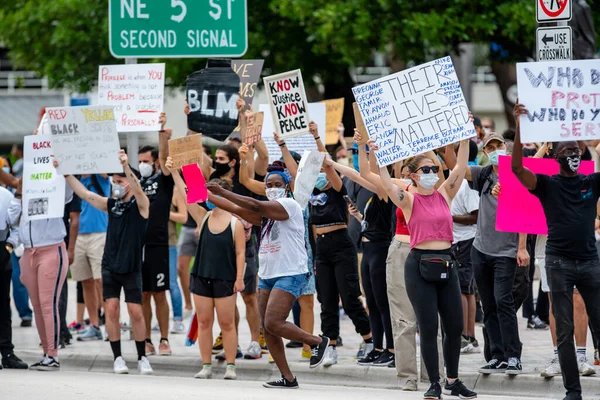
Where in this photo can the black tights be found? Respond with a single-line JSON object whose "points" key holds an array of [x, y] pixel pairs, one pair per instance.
{"points": [[428, 299]]}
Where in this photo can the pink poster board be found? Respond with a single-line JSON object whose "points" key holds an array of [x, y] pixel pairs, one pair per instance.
{"points": [[519, 210], [196, 184]]}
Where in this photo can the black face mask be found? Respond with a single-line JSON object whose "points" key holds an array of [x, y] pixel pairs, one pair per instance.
{"points": [[529, 152], [221, 169], [570, 163]]}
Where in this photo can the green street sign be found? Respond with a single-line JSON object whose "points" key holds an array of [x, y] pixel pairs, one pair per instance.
{"points": [[177, 28]]}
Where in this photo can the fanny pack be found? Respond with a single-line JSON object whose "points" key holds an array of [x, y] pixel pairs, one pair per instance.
{"points": [[436, 267]]}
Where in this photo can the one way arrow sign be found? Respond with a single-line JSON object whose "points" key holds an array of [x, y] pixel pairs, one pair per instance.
{"points": [[554, 43]]}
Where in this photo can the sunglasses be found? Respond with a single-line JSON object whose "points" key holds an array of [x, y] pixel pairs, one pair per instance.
{"points": [[427, 169], [571, 152]]}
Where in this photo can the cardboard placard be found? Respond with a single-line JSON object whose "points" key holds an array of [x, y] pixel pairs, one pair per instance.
{"points": [[249, 73], [519, 210], [196, 184], [563, 100], [288, 102], [254, 128], [43, 186], [137, 93], [186, 150], [308, 171], [211, 94], [360, 124], [335, 113], [85, 139], [414, 111]]}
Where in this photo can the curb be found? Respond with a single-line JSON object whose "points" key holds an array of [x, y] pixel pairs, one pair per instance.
{"points": [[525, 385]]}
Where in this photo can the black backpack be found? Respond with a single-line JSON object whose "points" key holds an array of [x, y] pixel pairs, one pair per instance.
{"points": [[483, 178]]}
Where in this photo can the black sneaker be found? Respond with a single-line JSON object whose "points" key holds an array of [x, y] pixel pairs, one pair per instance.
{"points": [[494, 367], [370, 358], [536, 323], [49, 364], [13, 362], [26, 323], [37, 364], [457, 388], [340, 342], [514, 366], [282, 384], [434, 392], [293, 345], [393, 364], [318, 352], [386, 358]]}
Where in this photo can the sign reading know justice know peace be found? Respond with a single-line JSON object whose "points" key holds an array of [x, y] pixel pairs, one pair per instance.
{"points": [[563, 100], [85, 140], [289, 106], [414, 111]]}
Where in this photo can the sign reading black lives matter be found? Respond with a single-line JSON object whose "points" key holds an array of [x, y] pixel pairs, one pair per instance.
{"points": [[211, 95], [289, 107], [414, 111]]}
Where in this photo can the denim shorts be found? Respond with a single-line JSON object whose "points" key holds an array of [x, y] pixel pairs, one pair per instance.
{"points": [[293, 284]]}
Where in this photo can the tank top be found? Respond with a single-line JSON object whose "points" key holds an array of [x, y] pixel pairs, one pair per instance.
{"points": [[377, 220], [401, 227], [430, 219], [215, 256]]}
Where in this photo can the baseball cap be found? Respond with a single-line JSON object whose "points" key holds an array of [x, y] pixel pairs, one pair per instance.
{"points": [[492, 136]]}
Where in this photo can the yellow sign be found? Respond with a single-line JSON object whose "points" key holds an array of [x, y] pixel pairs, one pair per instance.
{"points": [[335, 112]]}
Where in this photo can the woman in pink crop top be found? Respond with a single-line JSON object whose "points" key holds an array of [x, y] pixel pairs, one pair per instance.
{"points": [[427, 212]]}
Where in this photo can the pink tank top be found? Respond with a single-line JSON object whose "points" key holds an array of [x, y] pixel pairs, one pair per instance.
{"points": [[430, 219]]}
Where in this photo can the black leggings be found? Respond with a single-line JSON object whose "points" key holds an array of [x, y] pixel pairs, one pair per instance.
{"points": [[428, 299], [373, 272]]}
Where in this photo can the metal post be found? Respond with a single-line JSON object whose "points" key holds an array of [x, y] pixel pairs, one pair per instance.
{"points": [[132, 137]]}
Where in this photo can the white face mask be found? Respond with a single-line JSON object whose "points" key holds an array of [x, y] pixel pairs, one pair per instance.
{"points": [[275, 193], [487, 131], [146, 170], [407, 181], [428, 181], [119, 191]]}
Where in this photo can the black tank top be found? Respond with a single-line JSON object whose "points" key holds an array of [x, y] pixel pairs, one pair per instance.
{"points": [[215, 257], [377, 221]]}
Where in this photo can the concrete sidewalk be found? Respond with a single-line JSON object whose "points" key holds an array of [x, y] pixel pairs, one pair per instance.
{"points": [[185, 361]]}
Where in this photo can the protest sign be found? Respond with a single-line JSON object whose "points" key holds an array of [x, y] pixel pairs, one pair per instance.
{"points": [[43, 186], [186, 150], [43, 127], [137, 93], [85, 140], [360, 124], [196, 184], [308, 170], [297, 143], [211, 94], [563, 100], [519, 210], [414, 111], [249, 73], [288, 102], [335, 112], [254, 128]]}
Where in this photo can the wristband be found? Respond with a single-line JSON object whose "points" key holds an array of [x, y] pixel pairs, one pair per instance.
{"points": [[318, 138], [162, 131], [282, 145], [244, 163], [18, 194]]}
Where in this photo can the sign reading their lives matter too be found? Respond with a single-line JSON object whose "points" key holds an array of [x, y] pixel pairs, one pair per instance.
{"points": [[414, 111], [85, 140], [186, 150], [249, 73], [43, 186], [288, 103], [308, 170], [137, 93], [254, 128], [211, 96], [519, 210], [563, 100], [335, 112]]}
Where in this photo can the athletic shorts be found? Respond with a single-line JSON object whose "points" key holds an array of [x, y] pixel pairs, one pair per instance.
{"points": [[155, 268], [211, 288], [250, 277], [293, 284], [188, 242], [89, 249], [131, 284], [466, 272]]}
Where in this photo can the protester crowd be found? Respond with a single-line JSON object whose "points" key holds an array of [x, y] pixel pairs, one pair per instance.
{"points": [[417, 241]]}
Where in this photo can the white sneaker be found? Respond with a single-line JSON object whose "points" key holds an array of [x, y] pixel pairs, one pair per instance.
{"points": [[178, 327], [585, 369], [205, 373], [230, 373], [331, 357], [552, 369], [144, 367], [119, 366], [254, 351]]}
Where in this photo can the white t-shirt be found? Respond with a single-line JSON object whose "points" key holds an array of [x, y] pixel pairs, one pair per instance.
{"points": [[465, 202], [283, 249]]}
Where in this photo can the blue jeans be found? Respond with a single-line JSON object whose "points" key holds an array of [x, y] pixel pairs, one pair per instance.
{"points": [[176, 299], [293, 284], [20, 295]]}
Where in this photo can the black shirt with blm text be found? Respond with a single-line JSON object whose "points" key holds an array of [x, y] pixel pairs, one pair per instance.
{"points": [[124, 237], [159, 189], [570, 208]]}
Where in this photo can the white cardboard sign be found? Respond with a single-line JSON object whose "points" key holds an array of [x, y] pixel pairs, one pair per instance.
{"points": [[43, 186], [288, 103], [85, 139], [137, 93], [308, 171], [563, 100], [414, 111]]}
